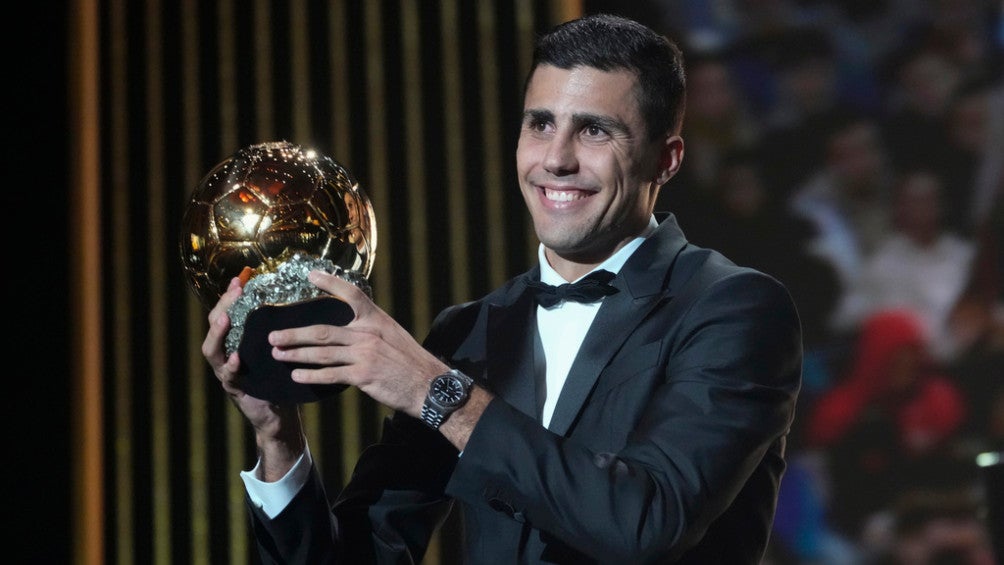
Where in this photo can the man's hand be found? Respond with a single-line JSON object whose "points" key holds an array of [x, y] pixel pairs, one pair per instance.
{"points": [[373, 352], [278, 431]]}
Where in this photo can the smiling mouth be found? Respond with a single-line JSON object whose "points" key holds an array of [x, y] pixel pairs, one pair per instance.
{"points": [[566, 195]]}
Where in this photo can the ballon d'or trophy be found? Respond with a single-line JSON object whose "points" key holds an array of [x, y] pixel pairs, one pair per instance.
{"points": [[270, 214]]}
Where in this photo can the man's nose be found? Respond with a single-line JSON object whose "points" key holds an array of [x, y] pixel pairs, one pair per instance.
{"points": [[560, 157]]}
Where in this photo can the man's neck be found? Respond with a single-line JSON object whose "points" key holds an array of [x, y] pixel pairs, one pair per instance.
{"points": [[572, 268]]}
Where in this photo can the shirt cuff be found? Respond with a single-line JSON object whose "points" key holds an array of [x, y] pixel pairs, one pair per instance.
{"points": [[273, 497]]}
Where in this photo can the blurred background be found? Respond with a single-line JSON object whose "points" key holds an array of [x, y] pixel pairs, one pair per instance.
{"points": [[854, 150]]}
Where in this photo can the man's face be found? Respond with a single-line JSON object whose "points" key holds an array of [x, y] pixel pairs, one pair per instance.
{"points": [[587, 168]]}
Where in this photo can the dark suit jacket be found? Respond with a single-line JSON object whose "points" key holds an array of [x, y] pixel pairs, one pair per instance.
{"points": [[666, 444]]}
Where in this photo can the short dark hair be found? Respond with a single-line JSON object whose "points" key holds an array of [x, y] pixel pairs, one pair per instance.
{"points": [[611, 43]]}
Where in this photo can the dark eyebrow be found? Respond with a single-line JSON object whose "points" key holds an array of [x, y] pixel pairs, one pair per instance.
{"points": [[537, 115]]}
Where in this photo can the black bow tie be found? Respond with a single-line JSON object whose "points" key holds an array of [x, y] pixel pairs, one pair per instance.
{"points": [[591, 288]]}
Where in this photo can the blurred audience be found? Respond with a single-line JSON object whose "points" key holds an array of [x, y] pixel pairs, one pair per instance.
{"points": [[932, 527], [853, 150]]}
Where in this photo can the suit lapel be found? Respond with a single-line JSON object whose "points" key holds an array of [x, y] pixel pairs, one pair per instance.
{"points": [[510, 351], [642, 283]]}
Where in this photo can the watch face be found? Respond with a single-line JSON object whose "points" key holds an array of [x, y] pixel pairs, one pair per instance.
{"points": [[447, 391]]}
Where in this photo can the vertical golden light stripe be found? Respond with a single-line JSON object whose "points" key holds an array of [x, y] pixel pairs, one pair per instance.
{"points": [[376, 121], [564, 10], [264, 103], [85, 233], [121, 265], [525, 39], [198, 456], [301, 109], [300, 64], [492, 146], [454, 128], [349, 399], [235, 423], [227, 72], [160, 429], [341, 139], [418, 243]]}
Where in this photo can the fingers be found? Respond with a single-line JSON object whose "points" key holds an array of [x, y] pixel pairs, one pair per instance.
{"points": [[320, 334], [219, 324], [226, 300], [227, 374], [325, 357], [342, 289], [212, 345], [326, 375]]}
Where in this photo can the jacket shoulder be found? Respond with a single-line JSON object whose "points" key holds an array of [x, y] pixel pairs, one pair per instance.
{"points": [[455, 322], [706, 267]]}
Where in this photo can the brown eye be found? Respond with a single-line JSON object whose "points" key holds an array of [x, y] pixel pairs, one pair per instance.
{"points": [[594, 131]]}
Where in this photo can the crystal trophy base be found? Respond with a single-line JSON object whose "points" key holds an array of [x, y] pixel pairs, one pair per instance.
{"points": [[284, 299]]}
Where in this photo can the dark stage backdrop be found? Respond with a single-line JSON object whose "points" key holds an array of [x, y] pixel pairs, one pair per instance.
{"points": [[419, 99]]}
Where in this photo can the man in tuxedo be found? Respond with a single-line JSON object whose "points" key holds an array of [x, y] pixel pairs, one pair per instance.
{"points": [[638, 418]]}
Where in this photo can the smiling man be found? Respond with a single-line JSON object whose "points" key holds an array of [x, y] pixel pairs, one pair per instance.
{"points": [[639, 416]]}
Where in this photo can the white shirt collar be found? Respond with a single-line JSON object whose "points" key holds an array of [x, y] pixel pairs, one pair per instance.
{"points": [[612, 263]]}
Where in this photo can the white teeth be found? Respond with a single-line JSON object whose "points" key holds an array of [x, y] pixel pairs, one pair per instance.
{"points": [[563, 195]]}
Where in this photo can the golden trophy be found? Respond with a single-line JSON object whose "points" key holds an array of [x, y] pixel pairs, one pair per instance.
{"points": [[270, 214]]}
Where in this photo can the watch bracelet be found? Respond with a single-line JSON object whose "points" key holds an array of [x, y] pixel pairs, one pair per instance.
{"points": [[431, 418]]}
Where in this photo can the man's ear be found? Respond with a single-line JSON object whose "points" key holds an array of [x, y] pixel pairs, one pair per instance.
{"points": [[670, 158]]}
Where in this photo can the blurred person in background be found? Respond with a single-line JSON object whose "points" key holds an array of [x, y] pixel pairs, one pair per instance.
{"points": [[974, 153], [887, 426], [977, 325], [921, 82], [920, 265], [847, 202], [989, 187], [716, 122], [962, 30], [805, 110]]}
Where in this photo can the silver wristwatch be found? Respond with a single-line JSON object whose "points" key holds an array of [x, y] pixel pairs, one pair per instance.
{"points": [[447, 393]]}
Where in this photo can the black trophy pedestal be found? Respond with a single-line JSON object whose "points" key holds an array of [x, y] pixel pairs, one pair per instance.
{"points": [[265, 377]]}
